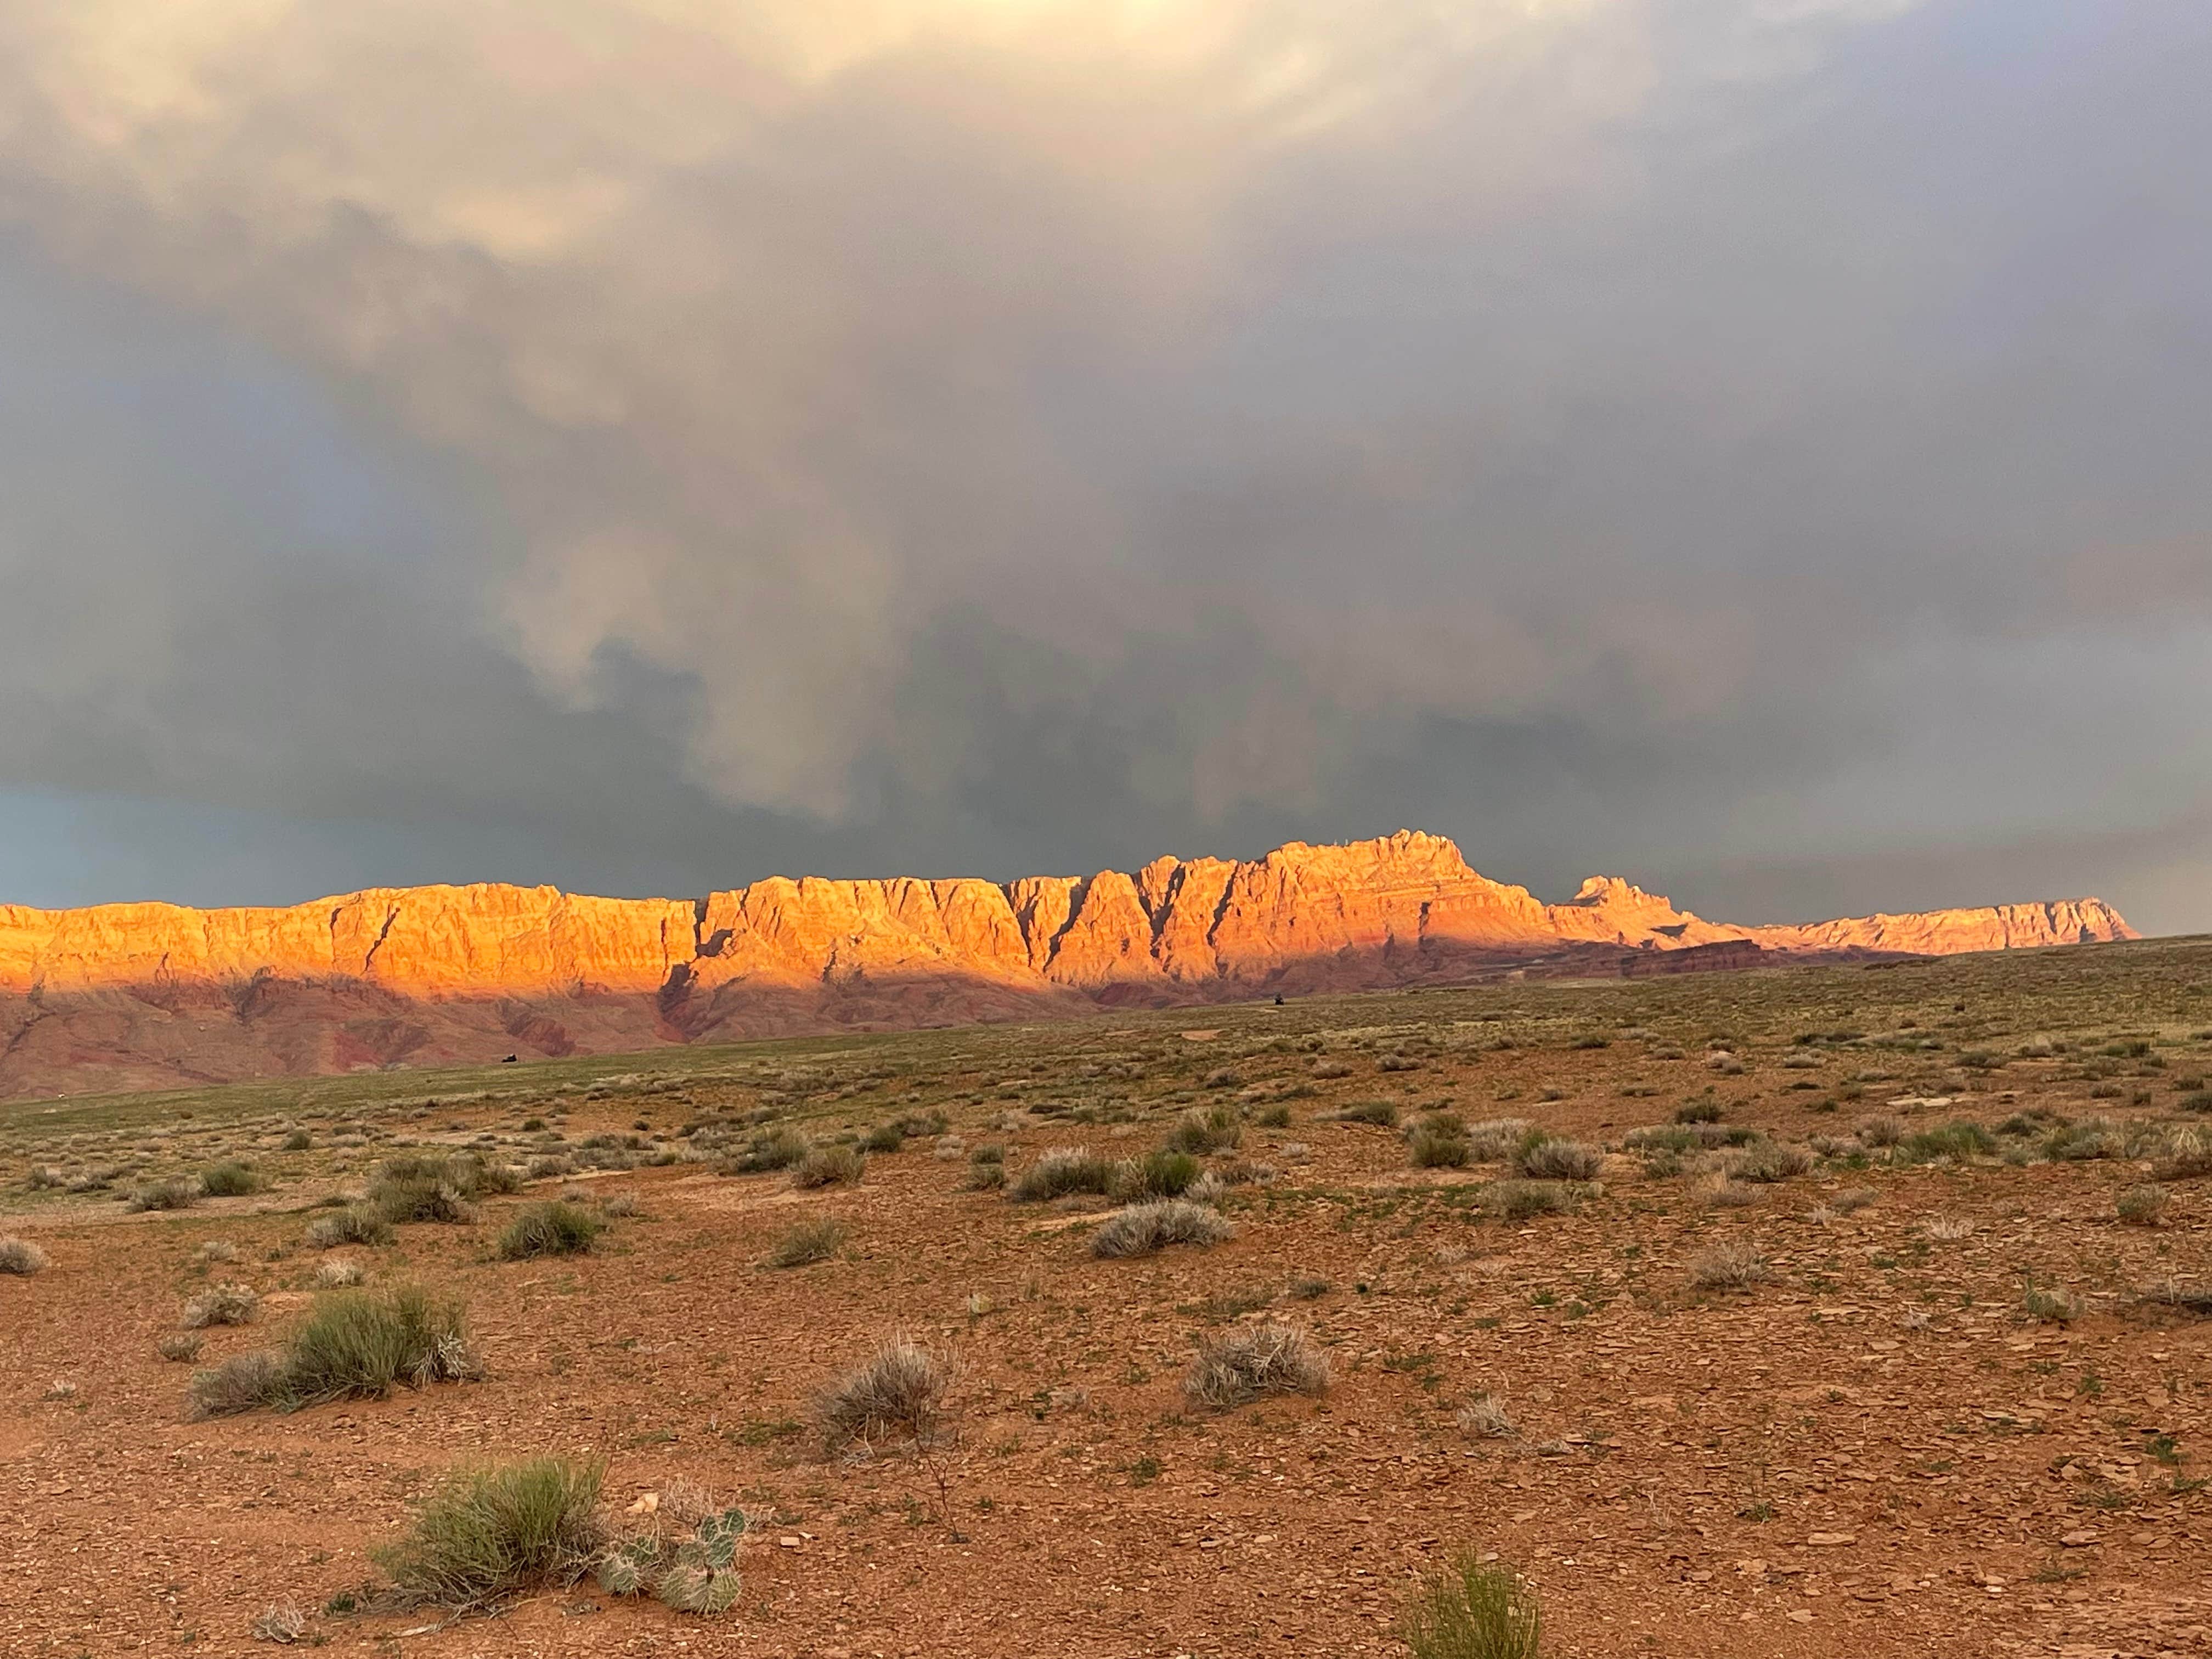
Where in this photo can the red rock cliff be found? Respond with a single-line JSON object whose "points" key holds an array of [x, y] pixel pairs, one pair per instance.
{"points": [[813, 953]]}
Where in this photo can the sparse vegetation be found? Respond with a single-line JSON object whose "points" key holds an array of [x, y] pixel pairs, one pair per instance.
{"points": [[1469, 1609], [1485, 1417], [1733, 1265], [898, 1394], [354, 1225], [558, 1228], [22, 1258], [2143, 1205], [490, 1535], [173, 1193], [230, 1179], [1557, 1160], [1062, 1173], [1243, 1363], [828, 1166], [1523, 1200], [805, 1243], [1141, 1229], [353, 1344], [227, 1304], [1439, 1141]]}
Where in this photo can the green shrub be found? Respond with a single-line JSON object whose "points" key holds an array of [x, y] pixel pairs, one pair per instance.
{"points": [[1162, 1174], [1557, 1160], [771, 1150], [298, 1141], [486, 1535], [357, 1225], [174, 1193], [1213, 1130], [426, 1187], [1438, 1141], [1519, 1200], [230, 1179], [828, 1166], [1769, 1161], [1061, 1172], [1142, 1228], [1960, 1138], [1468, 1610], [354, 1344], [1699, 1111], [884, 1138], [1383, 1114], [559, 1228], [807, 1242]]}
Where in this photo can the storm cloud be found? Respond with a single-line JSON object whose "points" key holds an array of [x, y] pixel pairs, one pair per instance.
{"points": [[1757, 446]]}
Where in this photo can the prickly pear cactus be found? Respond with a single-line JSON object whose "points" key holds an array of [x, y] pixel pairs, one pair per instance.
{"points": [[703, 1576], [625, 1569]]}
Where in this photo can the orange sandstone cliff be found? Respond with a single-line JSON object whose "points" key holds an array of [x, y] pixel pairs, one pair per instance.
{"points": [[149, 995]]}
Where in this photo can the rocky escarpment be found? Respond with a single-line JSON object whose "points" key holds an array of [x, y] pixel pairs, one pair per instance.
{"points": [[139, 994]]}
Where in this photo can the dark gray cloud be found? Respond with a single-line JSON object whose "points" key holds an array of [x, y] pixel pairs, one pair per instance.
{"points": [[1755, 447]]}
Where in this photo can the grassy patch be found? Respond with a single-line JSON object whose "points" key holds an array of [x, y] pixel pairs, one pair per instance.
{"points": [[487, 1536], [807, 1242], [1470, 1610], [1142, 1228], [354, 1344], [559, 1228]]}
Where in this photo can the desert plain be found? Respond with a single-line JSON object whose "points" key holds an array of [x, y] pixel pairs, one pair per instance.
{"points": [[1815, 1310]]}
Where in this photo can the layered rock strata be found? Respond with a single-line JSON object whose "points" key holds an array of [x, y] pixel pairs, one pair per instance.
{"points": [[423, 973]]}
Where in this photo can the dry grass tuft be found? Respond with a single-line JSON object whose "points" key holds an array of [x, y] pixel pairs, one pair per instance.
{"points": [[1485, 1417], [2143, 1205], [22, 1258], [280, 1622], [1244, 1364], [898, 1394], [828, 1166], [1733, 1265], [1557, 1160], [805, 1244], [227, 1303], [1142, 1228], [351, 1227]]}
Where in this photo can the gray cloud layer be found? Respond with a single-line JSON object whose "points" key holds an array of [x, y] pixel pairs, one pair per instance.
{"points": [[1754, 445]]}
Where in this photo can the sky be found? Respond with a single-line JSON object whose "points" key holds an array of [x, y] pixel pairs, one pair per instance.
{"points": [[1756, 448]]}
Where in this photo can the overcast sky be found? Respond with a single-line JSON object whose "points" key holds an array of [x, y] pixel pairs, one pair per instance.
{"points": [[1759, 448]]}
